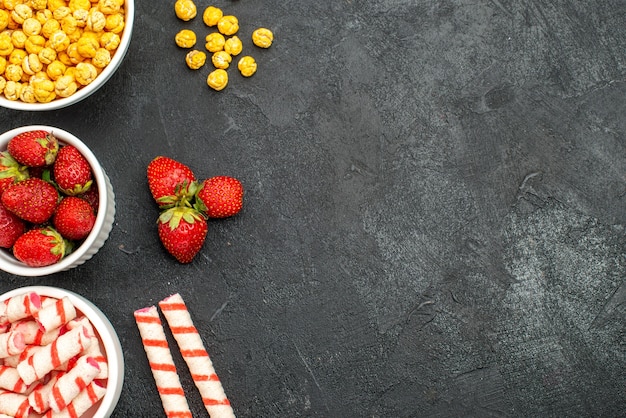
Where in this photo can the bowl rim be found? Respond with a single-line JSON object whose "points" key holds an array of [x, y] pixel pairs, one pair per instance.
{"points": [[100, 80], [104, 328], [8, 262]]}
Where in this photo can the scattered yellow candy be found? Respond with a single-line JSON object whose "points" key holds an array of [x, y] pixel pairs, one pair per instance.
{"points": [[247, 66], [233, 46], [221, 59], [214, 42], [212, 15], [262, 37], [218, 79], [185, 38], [185, 9], [195, 59], [228, 25]]}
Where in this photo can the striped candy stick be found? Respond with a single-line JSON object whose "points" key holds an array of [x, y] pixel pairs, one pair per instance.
{"points": [[14, 404], [68, 386], [34, 333], [39, 398], [161, 363], [195, 355], [19, 307], [81, 403], [56, 314], [10, 380], [11, 343]]}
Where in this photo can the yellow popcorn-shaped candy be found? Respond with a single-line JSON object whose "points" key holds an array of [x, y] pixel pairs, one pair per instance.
{"points": [[43, 90], [3, 66], [65, 58], [85, 73], [59, 41], [38, 4], [43, 16], [109, 7], [34, 44], [81, 16], [55, 69], [18, 38], [76, 35], [102, 58], [87, 46], [65, 86], [115, 23], [12, 90], [61, 12], [195, 59], [17, 56], [74, 55], [185, 38], [185, 9], [110, 41], [49, 27], [4, 19], [31, 64], [21, 12], [262, 37], [6, 45], [221, 59], [47, 55], [217, 79], [79, 4], [247, 66], [233, 46], [212, 15], [14, 72], [96, 21], [214, 42], [31, 26], [12, 24], [69, 24], [10, 4], [55, 4], [228, 25], [3, 83], [27, 95]]}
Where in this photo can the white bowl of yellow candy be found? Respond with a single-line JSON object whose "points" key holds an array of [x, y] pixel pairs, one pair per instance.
{"points": [[55, 53]]}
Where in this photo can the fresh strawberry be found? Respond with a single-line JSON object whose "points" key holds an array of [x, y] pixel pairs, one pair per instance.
{"points": [[71, 171], [34, 148], [171, 183], [39, 247], [10, 171], [92, 196], [182, 231], [220, 197], [33, 200], [11, 227], [74, 218]]}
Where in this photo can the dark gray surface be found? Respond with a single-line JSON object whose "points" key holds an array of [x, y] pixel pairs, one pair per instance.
{"points": [[434, 215]]}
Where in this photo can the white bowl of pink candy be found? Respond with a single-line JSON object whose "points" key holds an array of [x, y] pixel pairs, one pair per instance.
{"points": [[38, 177], [59, 355]]}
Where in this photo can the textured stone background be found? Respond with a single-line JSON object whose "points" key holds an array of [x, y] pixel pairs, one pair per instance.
{"points": [[434, 217]]}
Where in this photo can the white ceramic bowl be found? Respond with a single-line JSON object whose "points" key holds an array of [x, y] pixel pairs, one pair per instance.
{"points": [[104, 219], [109, 340], [107, 72]]}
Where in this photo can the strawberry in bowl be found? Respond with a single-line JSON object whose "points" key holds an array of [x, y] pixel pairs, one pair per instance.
{"points": [[55, 191]]}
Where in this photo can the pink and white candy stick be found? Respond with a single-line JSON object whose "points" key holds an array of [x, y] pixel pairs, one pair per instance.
{"points": [[10, 380], [195, 355], [81, 403], [56, 314], [19, 307], [95, 352], [68, 386], [11, 343], [161, 363], [14, 360], [53, 355], [34, 333], [14, 404], [39, 398]]}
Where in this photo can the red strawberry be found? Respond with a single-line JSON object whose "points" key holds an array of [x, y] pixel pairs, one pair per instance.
{"points": [[11, 227], [33, 200], [39, 247], [34, 148], [72, 172], [74, 218], [92, 196], [170, 182], [182, 231], [220, 197], [10, 171]]}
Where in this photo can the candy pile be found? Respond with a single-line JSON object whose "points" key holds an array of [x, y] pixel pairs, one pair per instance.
{"points": [[48, 200], [51, 362], [223, 44], [193, 352]]}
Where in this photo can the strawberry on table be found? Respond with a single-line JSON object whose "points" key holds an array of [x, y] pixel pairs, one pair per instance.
{"points": [[170, 181], [220, 197], [39, 247], [10, 171], [182, 230], [71, 171], [11, 227], [33, 200], [34, 148], [74, 218]]}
